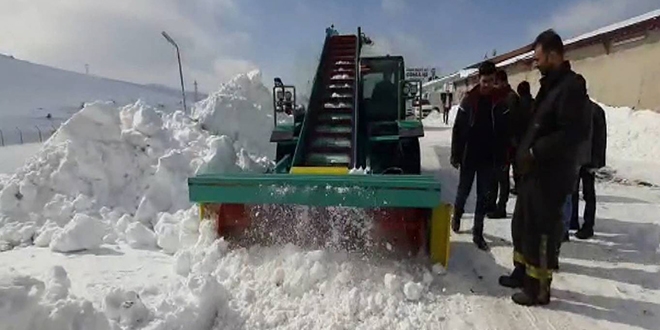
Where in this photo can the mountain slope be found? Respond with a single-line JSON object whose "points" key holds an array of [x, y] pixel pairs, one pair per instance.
{"points": [[28, 92]]}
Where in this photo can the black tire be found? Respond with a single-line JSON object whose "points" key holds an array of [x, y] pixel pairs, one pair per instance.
{"points": [[410, 156]]}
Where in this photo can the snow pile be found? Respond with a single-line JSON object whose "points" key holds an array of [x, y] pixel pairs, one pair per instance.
{"points": [[292, 288], [28, 303], [434, 119], [196, 302], [242, 110], [632, 143], [123, 172]]}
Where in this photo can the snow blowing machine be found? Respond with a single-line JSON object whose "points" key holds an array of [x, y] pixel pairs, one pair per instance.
{"points": [[347, 166]]}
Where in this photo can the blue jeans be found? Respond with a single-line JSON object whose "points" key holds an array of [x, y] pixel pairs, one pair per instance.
{"points": [[567, 212]]}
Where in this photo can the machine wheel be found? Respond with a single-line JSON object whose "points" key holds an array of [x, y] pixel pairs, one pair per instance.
{"points": [[410, 156]]}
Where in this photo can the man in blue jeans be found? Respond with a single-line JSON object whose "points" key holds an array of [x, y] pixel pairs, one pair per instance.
{"points": [[478, 144]]}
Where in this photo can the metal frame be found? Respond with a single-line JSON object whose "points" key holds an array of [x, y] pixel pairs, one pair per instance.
{"points": [[419, 93], [356, 100], [283, 89]]}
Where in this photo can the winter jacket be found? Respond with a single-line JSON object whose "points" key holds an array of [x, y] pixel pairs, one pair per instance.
{"points": [[467, 139], [560, 124], [512, 104], [521, 117], [599, 138]]}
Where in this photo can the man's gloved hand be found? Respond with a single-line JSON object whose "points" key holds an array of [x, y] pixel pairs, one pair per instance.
{"points": [[455, 163], [526, 161]]}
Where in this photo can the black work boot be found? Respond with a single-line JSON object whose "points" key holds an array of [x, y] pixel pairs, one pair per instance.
{"points": [[515, 279], [585, 232], [478, 233], [456, 220], [533, 293]]}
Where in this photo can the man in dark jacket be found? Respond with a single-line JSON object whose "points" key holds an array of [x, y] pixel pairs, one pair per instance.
{"points": [[588, 178], [477, 145], [519, 121], [500, 184], [548, 159]]}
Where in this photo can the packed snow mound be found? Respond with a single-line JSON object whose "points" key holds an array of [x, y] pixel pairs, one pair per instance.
{"points": [[434, 119], [291, 288], [195, 302], [30, 304], [241, 110], [633, 150], [633, 134], [125, 165]]}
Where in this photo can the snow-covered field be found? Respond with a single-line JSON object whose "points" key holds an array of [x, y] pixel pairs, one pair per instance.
{"points": [[98, 234], [28, 92]]}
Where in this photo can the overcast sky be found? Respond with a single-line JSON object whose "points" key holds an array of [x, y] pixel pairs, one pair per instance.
{"points": [[220, 38]]}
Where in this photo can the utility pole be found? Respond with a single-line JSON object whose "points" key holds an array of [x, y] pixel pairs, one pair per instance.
{"points": [[196, 99], [178, 57]]}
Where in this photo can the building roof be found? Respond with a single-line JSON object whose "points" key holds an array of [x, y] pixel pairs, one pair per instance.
{"points": [[645, 21]]}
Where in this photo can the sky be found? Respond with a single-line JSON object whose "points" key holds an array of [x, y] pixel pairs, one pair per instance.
{"points": [[221, 38]]}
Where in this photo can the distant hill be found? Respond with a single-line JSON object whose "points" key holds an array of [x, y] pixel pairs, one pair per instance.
{"points": [[29, 92]]}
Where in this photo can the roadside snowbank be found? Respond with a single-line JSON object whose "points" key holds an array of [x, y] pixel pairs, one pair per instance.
{"points": [[633, 151], [434, 119], [122, 166], [633, 143]]}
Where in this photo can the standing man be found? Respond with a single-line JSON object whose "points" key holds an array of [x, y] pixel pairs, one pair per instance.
{"points": [[588, 178], [519, 122], [446, 107], [548, 158], [475, 148], [500, 181]]}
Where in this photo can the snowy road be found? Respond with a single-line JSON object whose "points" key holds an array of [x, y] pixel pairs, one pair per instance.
{"points": [[609, 282]]}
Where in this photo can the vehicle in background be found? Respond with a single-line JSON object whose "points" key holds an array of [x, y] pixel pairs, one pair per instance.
{"points": [[421, 106]]}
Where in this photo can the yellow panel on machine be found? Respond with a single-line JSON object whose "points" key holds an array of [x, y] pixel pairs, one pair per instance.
{"points": [[319, 170]]}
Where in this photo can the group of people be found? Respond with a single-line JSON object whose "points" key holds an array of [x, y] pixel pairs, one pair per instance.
{"points": [[552, 142]]}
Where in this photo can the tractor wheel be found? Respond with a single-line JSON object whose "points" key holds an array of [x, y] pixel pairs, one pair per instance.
{"points": [[410, 156]]}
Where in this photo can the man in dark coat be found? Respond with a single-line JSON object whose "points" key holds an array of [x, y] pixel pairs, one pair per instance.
{"points": [[477, 145], [519, 121], [500, 184], [588, 177], [549, 160]]}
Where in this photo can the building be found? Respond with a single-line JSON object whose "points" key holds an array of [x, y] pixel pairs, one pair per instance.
{"points": [[621, 63]]}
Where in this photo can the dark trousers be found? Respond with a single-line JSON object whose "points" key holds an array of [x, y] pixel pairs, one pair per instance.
{"points": [[499, 195], [445, 116], [516, 172], [536, 227], [589, 192], [484, 179]]}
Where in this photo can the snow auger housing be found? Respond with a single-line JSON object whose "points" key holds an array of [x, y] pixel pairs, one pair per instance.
{"points": [[355, 119]]}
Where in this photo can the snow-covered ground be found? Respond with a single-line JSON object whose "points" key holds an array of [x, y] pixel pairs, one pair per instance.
{"points": [[99, 234], [14, 156], [28, 92]]}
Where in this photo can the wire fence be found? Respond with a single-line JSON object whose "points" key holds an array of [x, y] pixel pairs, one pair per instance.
{"points": [[22, 135]]}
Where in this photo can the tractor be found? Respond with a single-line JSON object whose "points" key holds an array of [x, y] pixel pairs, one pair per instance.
{"points": [[352, 148]]}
